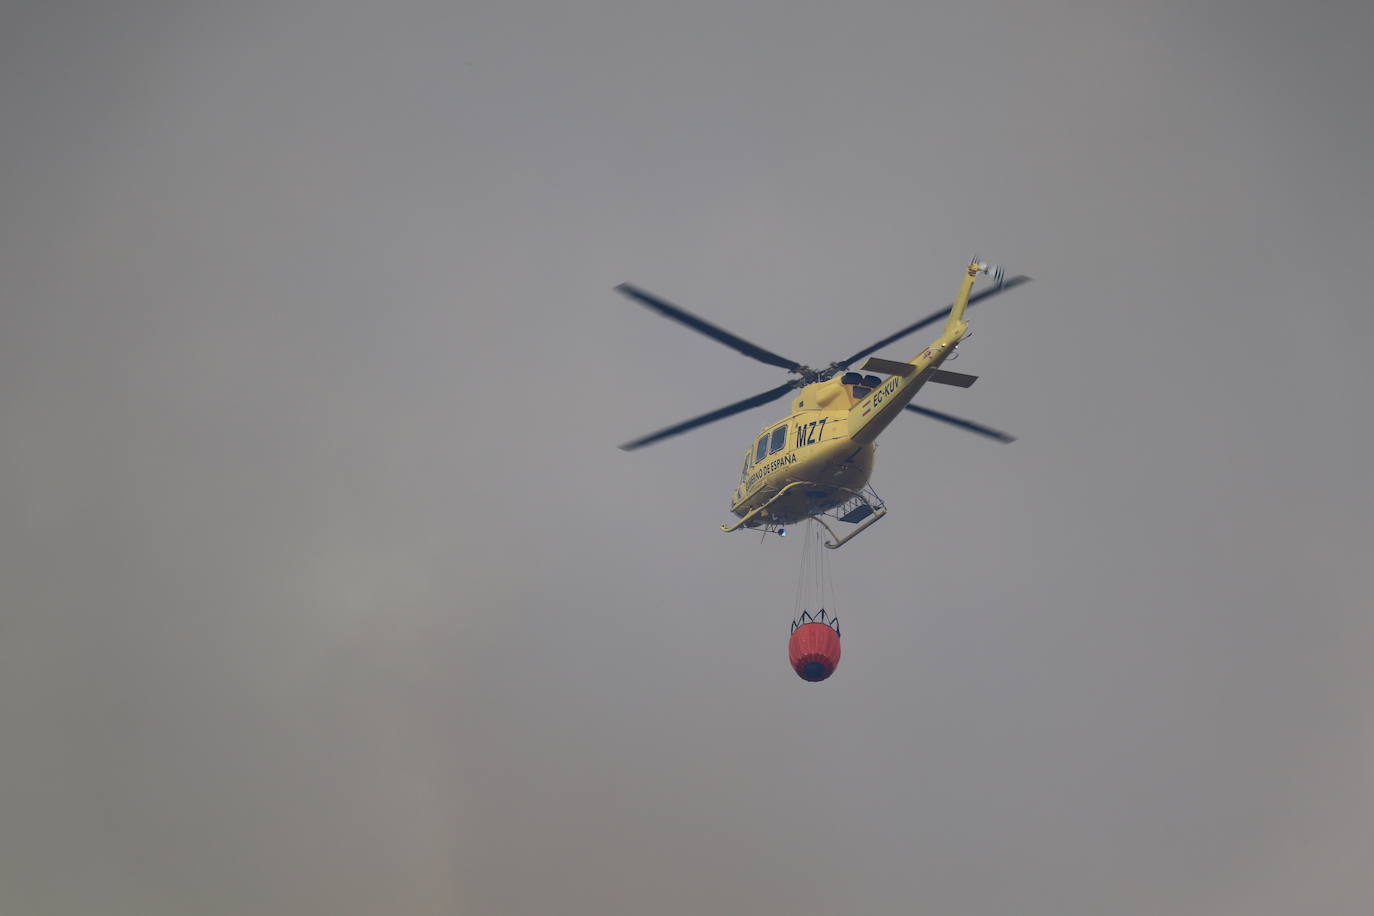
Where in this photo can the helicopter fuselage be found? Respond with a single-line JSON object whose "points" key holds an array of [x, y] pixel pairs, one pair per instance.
{"points": [[814, 448], [822, 455]]}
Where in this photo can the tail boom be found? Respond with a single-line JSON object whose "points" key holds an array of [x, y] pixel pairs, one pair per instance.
{"points": [[871, 416]]}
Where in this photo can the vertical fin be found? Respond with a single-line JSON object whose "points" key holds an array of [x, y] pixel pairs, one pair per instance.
{"points": [[975, 267]]}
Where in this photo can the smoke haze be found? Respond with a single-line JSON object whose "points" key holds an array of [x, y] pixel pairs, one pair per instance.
{"points": [[324, 589]]}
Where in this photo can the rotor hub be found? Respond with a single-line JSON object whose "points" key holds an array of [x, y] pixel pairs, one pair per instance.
{"points": [[809, 376]]}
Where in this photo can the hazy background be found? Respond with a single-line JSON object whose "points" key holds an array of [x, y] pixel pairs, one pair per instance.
{"points": [[324, 589]]}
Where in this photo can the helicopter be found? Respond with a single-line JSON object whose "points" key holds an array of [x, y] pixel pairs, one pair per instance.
{"points": [[816, 462]]}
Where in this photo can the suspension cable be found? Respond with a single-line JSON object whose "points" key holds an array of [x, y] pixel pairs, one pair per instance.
{"points": [[815, 575]]}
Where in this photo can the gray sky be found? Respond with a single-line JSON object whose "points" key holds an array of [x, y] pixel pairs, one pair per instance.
{"points": [[324, 590]]}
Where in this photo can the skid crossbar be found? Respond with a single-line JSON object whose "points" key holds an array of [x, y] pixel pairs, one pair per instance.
{"points": [[776, 496]]}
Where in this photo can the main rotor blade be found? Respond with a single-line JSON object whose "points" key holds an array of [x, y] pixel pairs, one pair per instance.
{"points": [[936, 316], [739, 406], [965, 424], [669, 310]]}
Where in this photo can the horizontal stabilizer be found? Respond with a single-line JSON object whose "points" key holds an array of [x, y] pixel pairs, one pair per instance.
{"points": [[957, 379], [887, 366]]}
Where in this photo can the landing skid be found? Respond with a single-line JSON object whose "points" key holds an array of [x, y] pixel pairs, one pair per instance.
{"points": [[863, 509], [866, 508]]}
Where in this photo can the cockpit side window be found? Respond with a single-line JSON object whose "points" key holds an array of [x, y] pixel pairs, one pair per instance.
{"points": [[762, 448], [779, 438]]}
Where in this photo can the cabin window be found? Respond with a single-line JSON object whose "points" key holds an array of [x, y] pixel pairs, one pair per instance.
{"points": [[779, 438], [762, 448], [861, 392]]}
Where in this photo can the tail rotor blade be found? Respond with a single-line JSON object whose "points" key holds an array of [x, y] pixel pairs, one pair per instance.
{"points": [[681, 315], [729, 410], [960, 422]]}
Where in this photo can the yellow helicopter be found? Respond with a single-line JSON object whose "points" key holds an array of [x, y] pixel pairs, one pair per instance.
{"points": [[816, 463]]}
